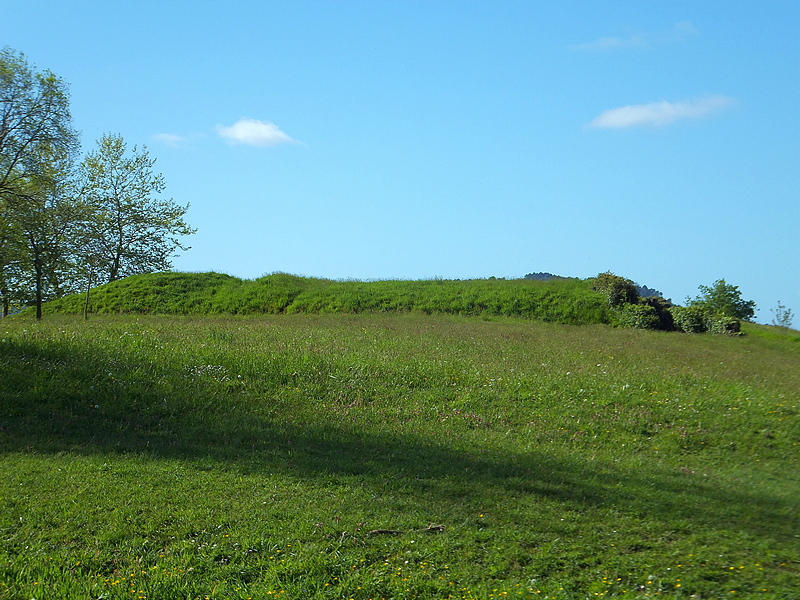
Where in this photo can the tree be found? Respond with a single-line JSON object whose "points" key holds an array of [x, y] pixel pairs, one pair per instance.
{"points": [[37, 147], [12, 250], [35, 122], [49, 223], [131, 230], [61, 228], [723, 300]]}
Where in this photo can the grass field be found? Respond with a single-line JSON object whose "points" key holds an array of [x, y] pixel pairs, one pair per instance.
{"points": [[395, 456], [566, 301]]}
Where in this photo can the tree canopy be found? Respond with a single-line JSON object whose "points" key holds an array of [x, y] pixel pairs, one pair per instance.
{"points": [[37, 149], [723, 299], [62, 223], [35, 123], [132, 230]]}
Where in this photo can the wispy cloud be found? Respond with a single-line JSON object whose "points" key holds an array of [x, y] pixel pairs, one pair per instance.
{"points": [[174, 140], [658, 114], [679, 32], [253, 132], [170, 139]]}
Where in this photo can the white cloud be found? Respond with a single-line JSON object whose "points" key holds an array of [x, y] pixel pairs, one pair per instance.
{"points": [[170, 139], [253, 132], [174, 140], [679, 32], [657, 114]]}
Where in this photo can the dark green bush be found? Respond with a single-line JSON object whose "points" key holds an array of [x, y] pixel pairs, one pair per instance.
{"points": [[662, 307], [638, 316]]}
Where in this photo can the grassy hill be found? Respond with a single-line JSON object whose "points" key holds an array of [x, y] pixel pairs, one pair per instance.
{"points": [[568, 301], [394, 456]]}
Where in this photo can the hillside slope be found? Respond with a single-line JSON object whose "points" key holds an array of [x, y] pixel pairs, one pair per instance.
{"points": [[568, 301]]}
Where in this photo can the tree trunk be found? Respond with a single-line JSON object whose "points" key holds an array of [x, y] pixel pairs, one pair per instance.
{"points": [[37, 263], [114, 268], [86, 305]]}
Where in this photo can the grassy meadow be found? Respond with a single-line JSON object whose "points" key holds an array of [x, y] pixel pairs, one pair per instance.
{"points": [[567, 301], [395, 456]]}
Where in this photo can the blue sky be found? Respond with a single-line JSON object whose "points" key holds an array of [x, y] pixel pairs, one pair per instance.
{"points": [[656, 139]]}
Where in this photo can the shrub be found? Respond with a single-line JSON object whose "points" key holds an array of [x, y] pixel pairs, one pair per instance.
{"points": [[662, 307], [722, 324], [783, 316], [617, 289], [689, 319], [638, 316], [695, 319]]}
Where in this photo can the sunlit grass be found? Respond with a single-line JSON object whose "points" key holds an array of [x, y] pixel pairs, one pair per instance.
{"points": [[569, 301], [394, 457]]}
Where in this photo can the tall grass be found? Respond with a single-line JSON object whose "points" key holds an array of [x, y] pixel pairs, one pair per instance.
{"points": [[394, 456]]}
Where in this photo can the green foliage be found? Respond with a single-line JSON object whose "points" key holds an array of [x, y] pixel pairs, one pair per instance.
{"points": [[630, 309], [259, 457], [723, 324], [695, 319], [718, 309], [568, 301], [638, 316], [662, 307], [689, 319], [722, 299], [35, 124], [37, 146], [60, 230], [131, 230], [617, 289]]}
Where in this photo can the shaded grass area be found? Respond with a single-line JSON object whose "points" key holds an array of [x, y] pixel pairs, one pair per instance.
{"points": [[187, 457], [568, 301]]}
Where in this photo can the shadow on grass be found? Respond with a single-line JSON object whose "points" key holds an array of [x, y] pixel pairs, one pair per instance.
{"points": [[55, 399]]}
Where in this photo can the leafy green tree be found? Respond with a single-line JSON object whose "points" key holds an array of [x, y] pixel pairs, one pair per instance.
{"points": [[60, 229], [723, 300], [37, 146], [35, 122], [132, 230], [49, 221]]}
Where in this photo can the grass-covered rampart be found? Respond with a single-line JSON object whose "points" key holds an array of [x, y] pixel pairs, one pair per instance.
{"points": [[569, 301], [395, 456]]}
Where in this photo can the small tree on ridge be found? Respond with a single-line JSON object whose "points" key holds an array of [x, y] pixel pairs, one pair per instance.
{"points": [[132, 230], [783, 316], [723, 300]]}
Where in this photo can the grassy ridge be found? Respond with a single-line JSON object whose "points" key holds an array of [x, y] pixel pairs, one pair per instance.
{"points": [[558, 301], [165, 457]]}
